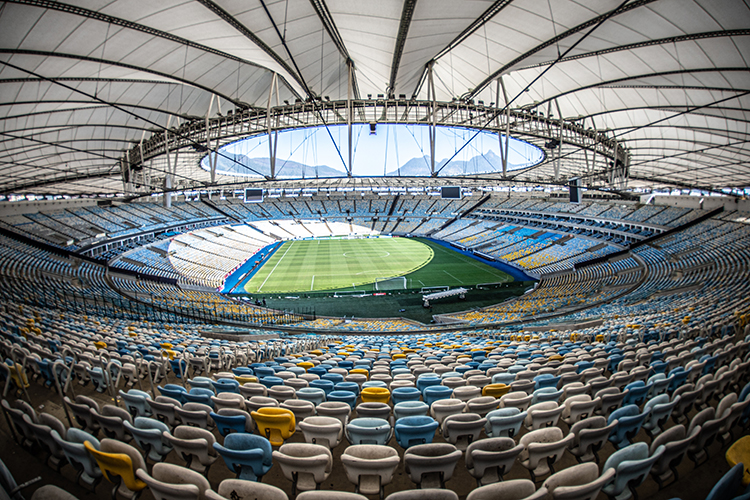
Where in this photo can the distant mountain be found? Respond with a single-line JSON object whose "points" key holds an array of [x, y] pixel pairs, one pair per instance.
{"points": [[488, 162], [242, 165]]}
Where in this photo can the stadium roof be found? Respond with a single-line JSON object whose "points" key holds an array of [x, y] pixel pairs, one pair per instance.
{"points": [[82, 81]]}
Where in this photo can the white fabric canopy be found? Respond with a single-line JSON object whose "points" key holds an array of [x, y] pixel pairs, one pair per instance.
{"points": [[81, 81]]}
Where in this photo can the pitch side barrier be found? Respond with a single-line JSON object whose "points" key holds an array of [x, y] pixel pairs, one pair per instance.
{"points": [[649, 240]]}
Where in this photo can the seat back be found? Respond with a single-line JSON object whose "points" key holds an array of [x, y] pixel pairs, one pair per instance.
{"points": [[277, 424], [120, 462]]}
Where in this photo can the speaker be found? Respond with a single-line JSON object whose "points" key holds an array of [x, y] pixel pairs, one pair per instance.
{"points": [[574, 185]]}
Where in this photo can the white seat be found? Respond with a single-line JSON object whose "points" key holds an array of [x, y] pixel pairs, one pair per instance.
{"points": [[542, 449], [489, 459], [327, 431], [543, 414], [442, 408], [462, 429], [517, 489], [590, 435], [193, 445], [306, 465], [517, 399], [577, 408], [370, 467], [431, 465], [173, 482], [580, 482], [240, 489]]}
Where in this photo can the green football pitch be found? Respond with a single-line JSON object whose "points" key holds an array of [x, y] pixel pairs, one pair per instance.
{"points": [[356, 265]]}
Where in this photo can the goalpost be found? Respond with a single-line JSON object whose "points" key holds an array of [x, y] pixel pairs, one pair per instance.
{"points": [[397, 283]]}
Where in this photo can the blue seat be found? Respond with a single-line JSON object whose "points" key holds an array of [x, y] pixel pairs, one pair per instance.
{"points": [[179, 367], [424, 382], [435, 393], [369, 431], [504, 422], [148, 435], [241, 371], [583, 365], [410, 409], [227, 424], [546, 394], [710, 363], [503, 378], [264, 371], [636, 393], [314, 394], [629, 421], [227, 385], [614, 360], [545, 381], [658, 366], [271, 381], [347, 386], [401, 394], [318, 370], [173, 391], [728, 487], [199, 395], [347, 397], [136, 402], [632, 465], [333, 377], [247, 455], [679, 376], [202, 382], [411, 431], [325, 385]]}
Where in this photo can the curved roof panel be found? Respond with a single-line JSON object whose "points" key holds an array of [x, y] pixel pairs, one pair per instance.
{"points": [[81, 81]]}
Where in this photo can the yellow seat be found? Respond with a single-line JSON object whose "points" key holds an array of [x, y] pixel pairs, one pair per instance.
{"points": [[17, 376], [362, 371], [398, 356], [495, 390], [168, 353], [376, 395], [277, 424], [599, 338], [317, 352], [244, 379], [118, 462], [305, 364], [166, 345], [100, 345], [739, 452]]}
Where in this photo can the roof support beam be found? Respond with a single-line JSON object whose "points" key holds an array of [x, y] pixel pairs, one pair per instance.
{"points": [[60, 180], [44, 53], [626, 7], [403, 31], [321, 8], [471, 29]]}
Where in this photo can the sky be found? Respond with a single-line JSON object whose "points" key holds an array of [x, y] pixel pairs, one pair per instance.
{"points": [[377, 154]]}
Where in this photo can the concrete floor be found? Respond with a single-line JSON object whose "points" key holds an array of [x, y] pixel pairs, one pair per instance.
{"points": [[694, 483]]}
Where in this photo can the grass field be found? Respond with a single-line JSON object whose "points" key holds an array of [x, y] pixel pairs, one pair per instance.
{"points": [[348, 265]]}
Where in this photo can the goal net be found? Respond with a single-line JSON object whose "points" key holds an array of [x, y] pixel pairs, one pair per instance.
{"points": [[385, 284]]}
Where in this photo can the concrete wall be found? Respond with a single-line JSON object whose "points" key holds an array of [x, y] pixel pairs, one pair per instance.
{"points": [[709, 202], [32, 207]]}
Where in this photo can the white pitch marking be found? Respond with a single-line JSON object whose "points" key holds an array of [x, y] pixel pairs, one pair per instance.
{"points": [[274, 267]]}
